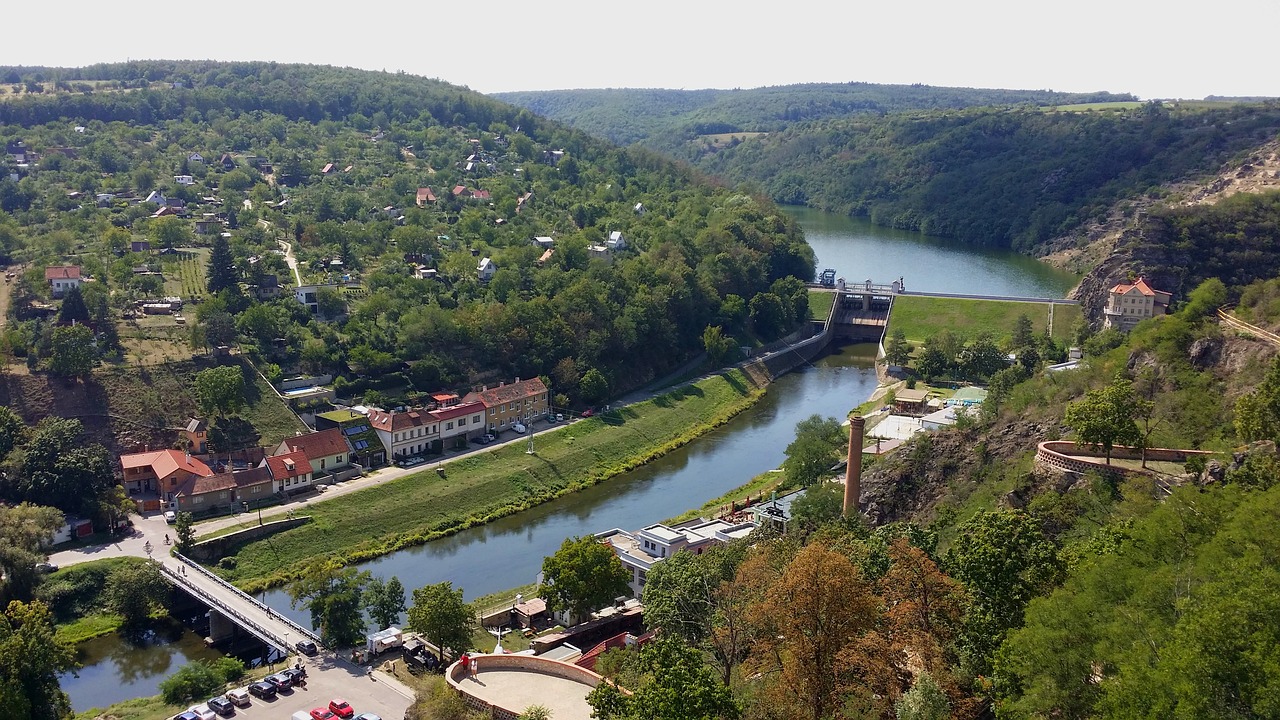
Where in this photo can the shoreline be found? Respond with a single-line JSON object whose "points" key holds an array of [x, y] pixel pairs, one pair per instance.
{"points": [[445, 528]]}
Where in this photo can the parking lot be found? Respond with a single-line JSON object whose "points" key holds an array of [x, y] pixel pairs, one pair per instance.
{"points": [[329, 678]]}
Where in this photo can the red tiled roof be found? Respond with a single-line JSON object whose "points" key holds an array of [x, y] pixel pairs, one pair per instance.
{"points": [[588, 659], [252, 476], [291, 464], [165, 462], [425, 195], [453, 411], [62, 272], [318, 444], [461, 190], [481, 195], [211, 483], [1141, 286], [508, 393]]}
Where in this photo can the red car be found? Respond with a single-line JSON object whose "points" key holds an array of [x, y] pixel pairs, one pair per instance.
{"points": [[588, 412], [321, 714], [341, 708]]}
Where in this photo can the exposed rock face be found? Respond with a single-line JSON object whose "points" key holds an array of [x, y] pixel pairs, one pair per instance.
{"points": [[1205, 353]]}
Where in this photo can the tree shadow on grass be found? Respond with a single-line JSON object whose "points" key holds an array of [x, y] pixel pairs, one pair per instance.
{"points": [[736, 383]]}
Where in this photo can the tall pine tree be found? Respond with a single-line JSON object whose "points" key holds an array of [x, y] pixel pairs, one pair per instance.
{"points": [[222, 267]]}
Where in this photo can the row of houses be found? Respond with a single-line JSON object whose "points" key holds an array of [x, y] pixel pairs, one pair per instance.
{"points": [[344, 441]]}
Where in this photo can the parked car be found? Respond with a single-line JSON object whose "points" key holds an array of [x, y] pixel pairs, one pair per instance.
{"points": [[367, 716], [186, 715], [414, 461], [519, 428], [239, 697], [322, 714], [170, 517], [202, 711], [281, 681], [297, 676], [588, 412], [306, 647], [222, 706], [46, 567], [263, 689], [341, 708]]}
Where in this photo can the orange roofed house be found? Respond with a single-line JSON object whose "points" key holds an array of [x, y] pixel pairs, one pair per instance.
{"points": [[162, 471], [62, 278], [1129, 305], [522, 400], [327, 451]]}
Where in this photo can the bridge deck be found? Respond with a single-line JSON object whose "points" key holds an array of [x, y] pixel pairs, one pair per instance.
{"points": [[242, 609]]}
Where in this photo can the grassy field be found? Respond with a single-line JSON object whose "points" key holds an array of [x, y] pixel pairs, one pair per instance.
{"points": [[721, 140], [1086, 107], [921, 317], [480, 488], [820, 304]]}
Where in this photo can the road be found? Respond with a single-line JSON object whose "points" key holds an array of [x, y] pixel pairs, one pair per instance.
{"points": [[291, 261]]}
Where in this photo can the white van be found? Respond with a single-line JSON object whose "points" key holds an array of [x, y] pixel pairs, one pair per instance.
{"points": [[301, 715]]}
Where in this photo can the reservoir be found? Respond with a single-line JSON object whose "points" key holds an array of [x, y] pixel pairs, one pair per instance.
{"points": [[509, 551]]}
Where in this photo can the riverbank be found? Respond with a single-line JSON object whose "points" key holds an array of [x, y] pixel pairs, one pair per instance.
{"points": [[476, 490]]}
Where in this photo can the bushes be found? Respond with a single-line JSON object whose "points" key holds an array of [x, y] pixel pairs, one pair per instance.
{"points": [[77, 591], [200, 679]]}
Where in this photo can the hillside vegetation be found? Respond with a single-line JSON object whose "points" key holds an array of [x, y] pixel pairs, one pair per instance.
{"points": [[331, 161], [1011, 178], [668, 120]]}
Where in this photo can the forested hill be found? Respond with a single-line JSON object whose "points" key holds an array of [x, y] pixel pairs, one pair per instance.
{"points": [[1010, 178], [667, 120], [393, 190]]}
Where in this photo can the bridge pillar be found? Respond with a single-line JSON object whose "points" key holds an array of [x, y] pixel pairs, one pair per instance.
{"points": [[221, 628]]}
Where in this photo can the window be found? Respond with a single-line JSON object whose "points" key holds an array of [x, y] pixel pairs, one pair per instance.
{"points": [[197, 500], [339, 459], [448, 426], [493, 411], [504, 407], [321, 463]]}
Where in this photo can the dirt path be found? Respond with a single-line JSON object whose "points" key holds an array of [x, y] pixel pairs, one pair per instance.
{"points": [[291, 261]]}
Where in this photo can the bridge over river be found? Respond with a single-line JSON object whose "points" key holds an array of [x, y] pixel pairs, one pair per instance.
{"points": [[230, 607]]}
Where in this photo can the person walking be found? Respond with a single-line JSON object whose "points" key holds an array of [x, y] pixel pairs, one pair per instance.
{"points": [[465, 662]]}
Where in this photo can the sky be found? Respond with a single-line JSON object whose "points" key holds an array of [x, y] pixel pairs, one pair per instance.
{"points": [[1152, 48]]}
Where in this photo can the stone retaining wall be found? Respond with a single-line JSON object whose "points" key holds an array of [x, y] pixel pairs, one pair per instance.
{"points": [[1055, 453], [211, 550], [526, 663]]}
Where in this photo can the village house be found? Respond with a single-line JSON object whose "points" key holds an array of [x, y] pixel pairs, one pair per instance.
{"points": [[459, 423], [911, 401], [17, 151], [195, 158], [228, 162], [329, 169], [309, 295], [161, 471], [641, 550], [425, 196], [616, 241], [406, 434], [184, 179], [290, 471], [140, 246], [208, 225], [196, 433], [326, 450], [267, 287], [485, 270], [1129, 304], [521, 401], [62, 278], [366, 446]]}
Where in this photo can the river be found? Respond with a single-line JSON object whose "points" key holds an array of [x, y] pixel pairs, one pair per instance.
{"points": [[509, 552]]}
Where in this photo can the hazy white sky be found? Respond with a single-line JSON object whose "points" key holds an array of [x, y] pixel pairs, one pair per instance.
{"points": [[1153, 48]]}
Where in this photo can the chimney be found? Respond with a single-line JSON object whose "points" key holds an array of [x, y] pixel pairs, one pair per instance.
{"points": [[853, 468]]}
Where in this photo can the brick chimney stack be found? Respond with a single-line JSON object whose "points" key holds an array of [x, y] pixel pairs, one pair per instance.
{"points": [[853, 467]]}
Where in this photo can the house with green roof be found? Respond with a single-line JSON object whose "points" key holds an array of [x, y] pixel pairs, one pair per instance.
{"points": [[366, 448]]}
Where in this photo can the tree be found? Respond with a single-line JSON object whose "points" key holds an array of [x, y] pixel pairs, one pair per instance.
{"points": [[584, 574], [384, 601], [13, 431], [56, 467], [330, 303], [31, 657], [924, 701], [676, 685], [443, 618], [222, 272], [220, 390], [1258, 413], [822, 503], [184, 530], [813, 451], [73, 309], [1106, 416], [804, 625], [24, 530], [219, 329], [200, 679], [1023, 333], [170, 231], [72, 353], [593, 387], [1004, 561], [133, 591], [897, 351], [334, 597], [982, 358], [718, 346], [770, 316]]}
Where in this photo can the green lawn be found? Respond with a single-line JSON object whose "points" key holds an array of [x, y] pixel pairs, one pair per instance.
{"points": [[921, 317], [480, 488], [820, 304]]}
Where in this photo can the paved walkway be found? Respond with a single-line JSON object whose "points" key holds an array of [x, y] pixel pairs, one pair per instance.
{"points": [[518, 689]]}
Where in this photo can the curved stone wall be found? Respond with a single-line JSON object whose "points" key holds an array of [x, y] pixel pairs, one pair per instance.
{"points": [[522, 663]]}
